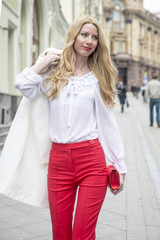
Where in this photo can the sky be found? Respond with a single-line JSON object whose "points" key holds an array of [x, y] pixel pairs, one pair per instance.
{"points": [[152, 5]]}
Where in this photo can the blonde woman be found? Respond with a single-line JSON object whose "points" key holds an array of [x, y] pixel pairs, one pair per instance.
{"points": [[79, 84]]}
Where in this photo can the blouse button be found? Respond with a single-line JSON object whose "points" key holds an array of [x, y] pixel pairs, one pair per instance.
{"points": [[92, 141]]}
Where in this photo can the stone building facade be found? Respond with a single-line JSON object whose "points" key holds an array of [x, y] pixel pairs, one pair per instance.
{"points": [[133, 35], [72, 9], [27, 27]]}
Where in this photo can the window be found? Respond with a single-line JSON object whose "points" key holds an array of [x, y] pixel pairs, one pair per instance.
{"points": [[119, 47], [117, 18], [116, 13]]}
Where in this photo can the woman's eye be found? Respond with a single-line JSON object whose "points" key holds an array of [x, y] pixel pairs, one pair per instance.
{"points": [[84, 34], [95, 37]]}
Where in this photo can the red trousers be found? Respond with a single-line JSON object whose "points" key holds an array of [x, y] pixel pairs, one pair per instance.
{"points": [[71, 165]]}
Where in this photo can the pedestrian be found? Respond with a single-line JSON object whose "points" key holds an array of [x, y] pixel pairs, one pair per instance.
{"points": [[153, 94], [122, 95], [143, 91], [79, 90]]}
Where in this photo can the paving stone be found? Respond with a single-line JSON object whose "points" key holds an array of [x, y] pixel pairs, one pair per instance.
{"points": [[44, 237], [22, 219], [119, 236], [8, 202], [39, 228], [15, 234], [8, 211], [105, 231], [153, 232], [5, 225]]}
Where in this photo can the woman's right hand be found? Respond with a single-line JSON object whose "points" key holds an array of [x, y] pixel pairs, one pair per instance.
{"points": [[44, 62]]}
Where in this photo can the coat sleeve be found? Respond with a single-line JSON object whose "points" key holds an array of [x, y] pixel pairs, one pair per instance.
{"points": [[109, 134]]}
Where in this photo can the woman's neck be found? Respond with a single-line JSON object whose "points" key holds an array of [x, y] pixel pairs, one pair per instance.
{"points": [[81, 63]]}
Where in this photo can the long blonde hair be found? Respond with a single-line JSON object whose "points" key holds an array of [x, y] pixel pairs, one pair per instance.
{"points": [[99, 63]]}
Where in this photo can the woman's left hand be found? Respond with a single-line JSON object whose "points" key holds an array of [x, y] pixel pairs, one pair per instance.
{"points": [[120, 188], [44, 62]]}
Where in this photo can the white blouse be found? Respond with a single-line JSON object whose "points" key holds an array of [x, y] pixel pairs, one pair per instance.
{"points": [[78, 113]]}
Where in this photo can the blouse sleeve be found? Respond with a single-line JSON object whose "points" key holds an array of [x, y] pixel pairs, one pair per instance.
{"points": [[30, 84], [109, 134]]}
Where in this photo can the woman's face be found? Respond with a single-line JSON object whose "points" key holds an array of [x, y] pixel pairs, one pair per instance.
{"points": [[87, 40]]}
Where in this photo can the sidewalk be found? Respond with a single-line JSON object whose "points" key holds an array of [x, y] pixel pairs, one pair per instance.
{"points": [[133, 214]]}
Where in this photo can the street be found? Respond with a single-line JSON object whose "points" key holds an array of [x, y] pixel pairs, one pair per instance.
{"points": [[133, 214]]}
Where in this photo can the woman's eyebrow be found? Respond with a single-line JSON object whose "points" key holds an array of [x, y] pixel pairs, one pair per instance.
{"points": [[88, 33]]}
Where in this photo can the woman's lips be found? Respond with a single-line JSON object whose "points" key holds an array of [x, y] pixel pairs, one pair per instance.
{"points": [[87, 48]]}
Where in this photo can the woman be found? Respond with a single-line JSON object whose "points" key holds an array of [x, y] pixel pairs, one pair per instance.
{"points": [[82, 127], [122, 95]]}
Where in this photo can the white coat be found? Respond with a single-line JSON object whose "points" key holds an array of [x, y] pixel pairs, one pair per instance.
{"points": [[24, 159]]}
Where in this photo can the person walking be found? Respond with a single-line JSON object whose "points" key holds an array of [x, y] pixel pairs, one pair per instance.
{"points": [[78, 87], [143, 92], [122, 95], [153, 94]]}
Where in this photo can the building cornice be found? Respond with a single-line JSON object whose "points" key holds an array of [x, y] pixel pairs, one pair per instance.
{"points": [[130, 60], [144, 16], [131, 13]]}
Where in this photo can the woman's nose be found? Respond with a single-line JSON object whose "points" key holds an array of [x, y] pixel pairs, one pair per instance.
{"points": [[89, 40]]}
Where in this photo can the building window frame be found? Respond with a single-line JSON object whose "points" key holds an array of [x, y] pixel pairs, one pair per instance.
{"points": [[119, 46], [118, 20]]}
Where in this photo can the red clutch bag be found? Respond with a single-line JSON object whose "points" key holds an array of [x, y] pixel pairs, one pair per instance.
{"points": [[113, 177]]}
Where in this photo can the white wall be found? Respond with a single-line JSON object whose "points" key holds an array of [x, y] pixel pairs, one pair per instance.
{"points": [[16, 45]]}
